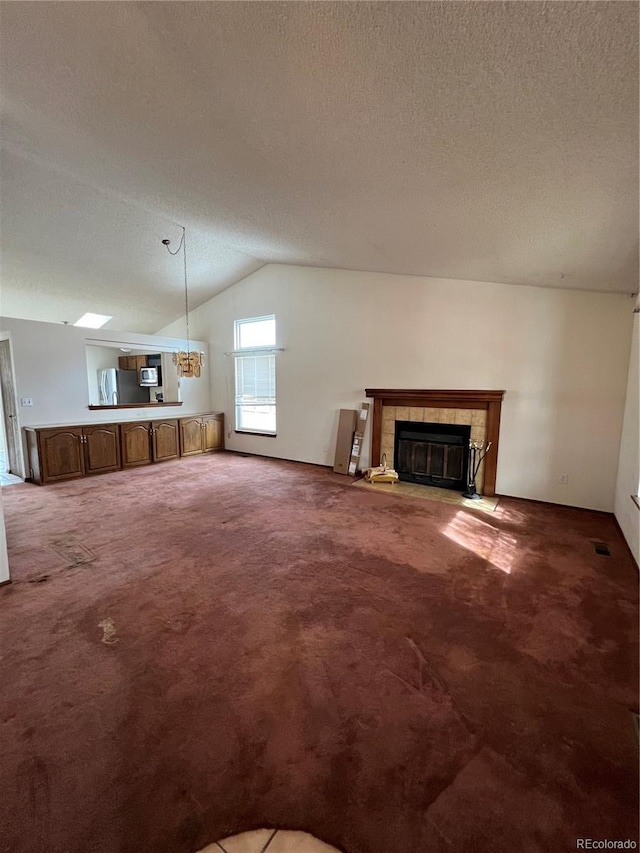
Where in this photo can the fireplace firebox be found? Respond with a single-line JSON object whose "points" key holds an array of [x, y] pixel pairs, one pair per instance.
{"points": [[432, 454]]}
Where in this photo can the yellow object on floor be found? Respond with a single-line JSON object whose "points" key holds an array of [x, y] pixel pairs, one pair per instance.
{"points": [[387, 477], [381, 473]]}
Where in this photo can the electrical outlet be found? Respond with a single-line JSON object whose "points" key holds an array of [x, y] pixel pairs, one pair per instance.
{"points": [[564, 479], [26, 401]]}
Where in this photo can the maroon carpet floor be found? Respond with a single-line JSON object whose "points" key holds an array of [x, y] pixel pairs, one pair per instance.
{"points": [[223, 643]]}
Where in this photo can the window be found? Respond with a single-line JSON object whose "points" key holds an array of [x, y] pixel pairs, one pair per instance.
{"points": [[255, 362]]}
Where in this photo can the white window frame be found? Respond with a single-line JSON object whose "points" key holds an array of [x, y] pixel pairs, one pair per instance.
{"points": [[243, 409]]}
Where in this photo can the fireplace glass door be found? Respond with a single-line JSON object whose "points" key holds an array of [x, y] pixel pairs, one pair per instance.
{"points": [[432, 454]]}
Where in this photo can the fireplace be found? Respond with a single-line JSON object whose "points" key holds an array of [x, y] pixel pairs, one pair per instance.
{"points": [[478, 409], [432, 454]]}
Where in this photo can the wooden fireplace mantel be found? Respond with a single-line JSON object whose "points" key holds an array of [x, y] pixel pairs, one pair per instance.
{"points": [[489, 401]]}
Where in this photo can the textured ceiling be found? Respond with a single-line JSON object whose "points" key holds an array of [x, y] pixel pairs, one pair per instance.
{"points": [[486, 141]]}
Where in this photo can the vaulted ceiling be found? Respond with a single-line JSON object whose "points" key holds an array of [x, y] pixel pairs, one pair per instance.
{"points": [[483, 141]]}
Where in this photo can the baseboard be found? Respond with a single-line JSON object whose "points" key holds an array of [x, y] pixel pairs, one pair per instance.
{"points": [[279, 459], [553, 503]]}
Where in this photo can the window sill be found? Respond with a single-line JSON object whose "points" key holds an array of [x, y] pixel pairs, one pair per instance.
{"points": [[254, 432]]}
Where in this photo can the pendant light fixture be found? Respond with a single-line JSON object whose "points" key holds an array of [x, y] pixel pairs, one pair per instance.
{"points": [[188, 363]]}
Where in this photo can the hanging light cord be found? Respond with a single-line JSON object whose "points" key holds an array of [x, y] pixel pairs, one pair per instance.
{"points": [[183, 245]]}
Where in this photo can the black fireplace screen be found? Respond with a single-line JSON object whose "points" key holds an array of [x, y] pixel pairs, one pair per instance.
{"points": [[432, 454]]}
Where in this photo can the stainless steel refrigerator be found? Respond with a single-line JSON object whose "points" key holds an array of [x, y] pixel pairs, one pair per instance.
{"points": [[118, 387]]}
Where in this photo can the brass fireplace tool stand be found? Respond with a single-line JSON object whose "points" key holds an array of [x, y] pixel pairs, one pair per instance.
{"points": [[477, 452]]}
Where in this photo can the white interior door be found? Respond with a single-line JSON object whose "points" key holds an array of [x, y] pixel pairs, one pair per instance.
{"points": [[10, 420]]}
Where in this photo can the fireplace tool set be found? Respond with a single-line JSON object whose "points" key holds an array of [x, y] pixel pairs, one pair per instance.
{"points": [[477, 452]]}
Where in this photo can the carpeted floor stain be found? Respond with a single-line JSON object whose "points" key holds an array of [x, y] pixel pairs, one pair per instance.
{"points": [[109, 637], [72, 552]]}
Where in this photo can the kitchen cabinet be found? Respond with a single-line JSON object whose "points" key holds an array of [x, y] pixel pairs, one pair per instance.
{"points": [[132, 362], [145, 442], [101, 448], [56, 454], [191, 436], [64, 453], [213, 431], [135, 442], [165, 443], [201, 434], [67, 452]]}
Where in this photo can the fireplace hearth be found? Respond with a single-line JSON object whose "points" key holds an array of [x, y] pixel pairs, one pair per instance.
{"points": [[432, 454]]}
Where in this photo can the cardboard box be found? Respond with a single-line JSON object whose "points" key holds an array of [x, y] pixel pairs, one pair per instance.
{"points": [[358, 440], [363, 414], [347, 423], [356, 447]]}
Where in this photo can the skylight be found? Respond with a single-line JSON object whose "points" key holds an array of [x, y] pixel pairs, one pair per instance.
{"points": [[93, 321]]}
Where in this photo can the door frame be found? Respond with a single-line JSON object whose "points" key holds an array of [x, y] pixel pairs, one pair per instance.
{"points": [[12, 431]]}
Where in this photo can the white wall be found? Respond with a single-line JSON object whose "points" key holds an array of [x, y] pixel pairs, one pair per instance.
{"points": [[561, 356], [626, 511], [51, 367]]}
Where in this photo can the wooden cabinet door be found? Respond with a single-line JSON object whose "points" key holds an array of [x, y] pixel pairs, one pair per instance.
{"points": [[191, 440], [132, 362], [213, 432], [61, 453], [101, 448], [165, 440], [135, 442]]}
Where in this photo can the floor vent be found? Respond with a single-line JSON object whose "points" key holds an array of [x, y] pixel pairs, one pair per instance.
{"points": [[602, 548]]}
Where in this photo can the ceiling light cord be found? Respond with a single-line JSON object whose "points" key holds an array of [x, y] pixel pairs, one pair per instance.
{"points": [[186, 291], [183, 245]]}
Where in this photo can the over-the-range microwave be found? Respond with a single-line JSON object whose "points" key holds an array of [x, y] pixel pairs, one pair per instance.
{"points": [[149, 376]]}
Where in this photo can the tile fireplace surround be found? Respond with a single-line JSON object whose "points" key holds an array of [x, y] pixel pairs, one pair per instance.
{"points": [[479, 409]]}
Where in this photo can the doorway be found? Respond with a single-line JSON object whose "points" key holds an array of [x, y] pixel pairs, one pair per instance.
{"points": [[11, 470]]}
